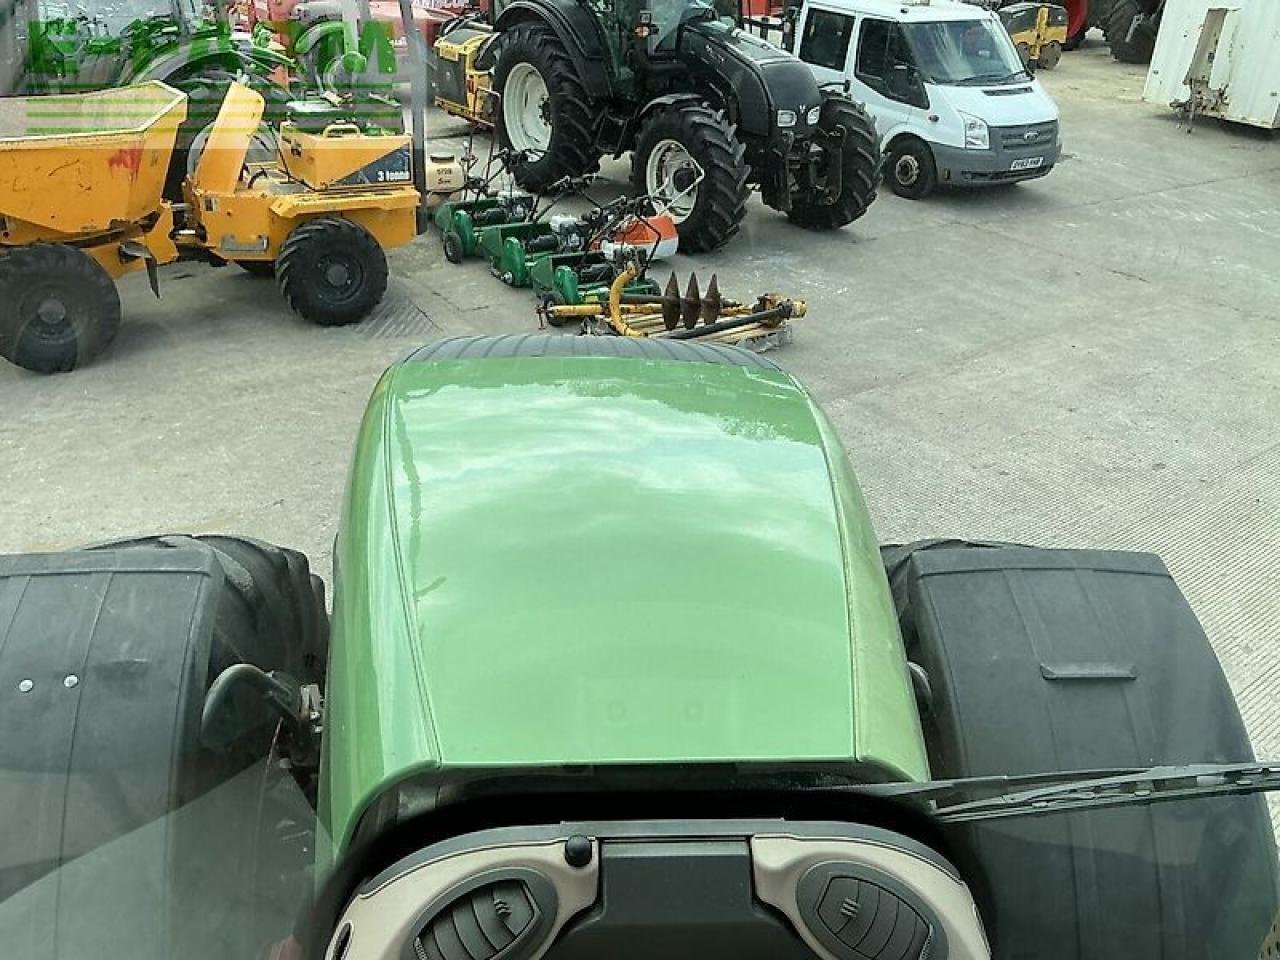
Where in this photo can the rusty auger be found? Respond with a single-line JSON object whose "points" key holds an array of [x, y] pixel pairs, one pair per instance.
{"points": [[693, 315]]}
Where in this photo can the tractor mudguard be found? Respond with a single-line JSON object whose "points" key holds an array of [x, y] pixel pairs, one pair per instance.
{"points": [[1042, 660], [576, 28], [195, 58], [317, 33], [374, 42], [668, 100]]}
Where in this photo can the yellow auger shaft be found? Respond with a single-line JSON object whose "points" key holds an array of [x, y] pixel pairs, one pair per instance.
{"points": [[615, 303]]}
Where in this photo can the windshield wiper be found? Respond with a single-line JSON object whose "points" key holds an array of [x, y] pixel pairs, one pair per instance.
{"points": [[951, 801], [992, 78]]}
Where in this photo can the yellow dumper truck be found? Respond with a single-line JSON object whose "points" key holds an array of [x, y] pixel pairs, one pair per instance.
{"points": [[80, 206]]}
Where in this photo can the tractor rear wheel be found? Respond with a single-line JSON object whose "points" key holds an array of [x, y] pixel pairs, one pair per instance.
{"points": [[1130, 42], [689, 160], [543, 108], [332, 271], [859, 169], [107, 757], [62, 309], [1079, 16]]}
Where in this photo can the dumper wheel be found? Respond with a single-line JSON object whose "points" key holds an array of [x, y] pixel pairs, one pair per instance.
{"points": [[690, 161], [332, 271], [859, 169], [61, 307]]}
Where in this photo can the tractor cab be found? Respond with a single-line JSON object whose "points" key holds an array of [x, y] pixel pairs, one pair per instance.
{"points": [[661, 20]]}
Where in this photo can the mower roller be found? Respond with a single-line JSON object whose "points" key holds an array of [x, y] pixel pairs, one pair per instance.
{"points": [[82, 207], [617, 669]]}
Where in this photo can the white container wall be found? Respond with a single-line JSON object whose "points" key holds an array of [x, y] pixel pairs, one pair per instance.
{"points": [[1219, 58]]}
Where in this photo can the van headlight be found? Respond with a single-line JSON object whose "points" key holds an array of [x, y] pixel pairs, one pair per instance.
{"points": [[814, 114], [786, 118], [976, 135]]}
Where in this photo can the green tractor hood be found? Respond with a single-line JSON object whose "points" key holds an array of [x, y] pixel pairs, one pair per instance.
{"points": [[550, 560]]}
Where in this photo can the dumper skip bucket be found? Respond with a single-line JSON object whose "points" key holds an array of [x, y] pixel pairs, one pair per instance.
{"points": [[85, 164]]}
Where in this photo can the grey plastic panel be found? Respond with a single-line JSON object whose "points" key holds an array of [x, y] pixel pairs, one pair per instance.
{"points": [[384, 918], [781, 863]]}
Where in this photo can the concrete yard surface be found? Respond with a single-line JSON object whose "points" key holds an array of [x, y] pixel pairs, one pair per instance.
{"points": [[1091, 359]]}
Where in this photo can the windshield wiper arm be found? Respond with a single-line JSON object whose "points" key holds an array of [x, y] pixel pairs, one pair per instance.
{"points": [[992, 78], [1041, 794]]}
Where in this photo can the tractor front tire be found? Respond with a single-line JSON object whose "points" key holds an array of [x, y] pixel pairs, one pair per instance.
{"points": [[61, 307], [332, 271], [543, 71], [1126, 47], [710, 141], [859, 169]]}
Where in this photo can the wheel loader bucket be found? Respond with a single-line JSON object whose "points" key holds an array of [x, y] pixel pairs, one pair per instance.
{"points": [[86, 163]]}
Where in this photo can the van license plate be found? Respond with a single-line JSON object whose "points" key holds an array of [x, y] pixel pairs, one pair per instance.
{"points": [[1026, 163]]}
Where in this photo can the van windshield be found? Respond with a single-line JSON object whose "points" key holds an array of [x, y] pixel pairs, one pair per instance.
{"points": [[964, 52]]}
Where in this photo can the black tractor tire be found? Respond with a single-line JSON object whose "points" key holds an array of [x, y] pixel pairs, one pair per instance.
{"points": [[257, 268], [710, 140], [1137, 48], [1076, 40], [860, 168], [274, 615], [332, 271], [911, 170], [1047, 660], [61, 307], [571, 151], [119, 645]]}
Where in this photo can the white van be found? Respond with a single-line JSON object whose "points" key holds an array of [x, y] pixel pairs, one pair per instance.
{"points": [[952, 101]]}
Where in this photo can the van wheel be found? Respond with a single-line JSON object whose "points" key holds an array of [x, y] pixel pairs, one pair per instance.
{"points": [[911, 170]]}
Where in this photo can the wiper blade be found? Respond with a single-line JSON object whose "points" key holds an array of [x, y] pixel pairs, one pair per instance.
{"points": [[992, 78], [1041, 794]]}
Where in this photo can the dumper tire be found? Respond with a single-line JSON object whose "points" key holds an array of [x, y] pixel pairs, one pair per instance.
{"points": [[860, 168], [332, 271], [571, 149], [62, 309], [1138, 48], [710, 140]]}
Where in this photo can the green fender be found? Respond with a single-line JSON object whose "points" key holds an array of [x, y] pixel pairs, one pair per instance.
{"points": [[512, 267], [465, 228], [331, 39]]}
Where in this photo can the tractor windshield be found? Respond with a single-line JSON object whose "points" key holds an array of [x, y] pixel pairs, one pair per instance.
{"points": [[965, 52], [668, 15]]}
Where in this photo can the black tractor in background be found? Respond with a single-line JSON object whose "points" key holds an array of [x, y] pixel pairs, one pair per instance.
{"points": [[707, 110]]}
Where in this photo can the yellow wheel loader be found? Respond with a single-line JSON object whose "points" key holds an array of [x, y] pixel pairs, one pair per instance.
{"points": [[81, 206]]}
